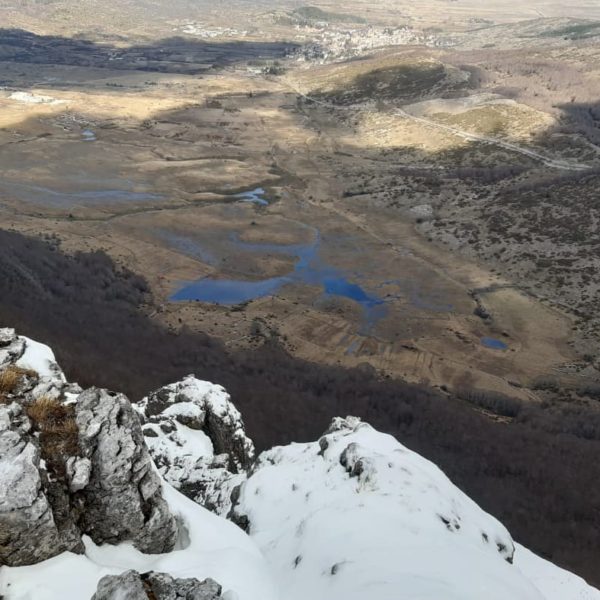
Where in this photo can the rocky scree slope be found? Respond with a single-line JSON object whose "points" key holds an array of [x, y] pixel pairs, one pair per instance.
{"points": [[89, 509]]}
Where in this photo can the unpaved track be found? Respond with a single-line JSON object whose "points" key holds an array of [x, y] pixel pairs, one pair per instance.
{"points": [[473, 137]]}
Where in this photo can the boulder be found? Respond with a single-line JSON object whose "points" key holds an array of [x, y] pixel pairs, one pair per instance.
{"points": [[123, 495], [165, 587], [158, 586], [127, 586]]}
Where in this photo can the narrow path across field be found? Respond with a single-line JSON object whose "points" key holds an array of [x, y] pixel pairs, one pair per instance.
{"points": [[473, 137]]}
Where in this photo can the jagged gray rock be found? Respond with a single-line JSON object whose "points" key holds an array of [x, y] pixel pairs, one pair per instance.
{"points": [[165, 587], [204, 406], [127, 586], [123, 498], [11, 347], [197, 440], [159, 586], [28, 530], [110, 491]]}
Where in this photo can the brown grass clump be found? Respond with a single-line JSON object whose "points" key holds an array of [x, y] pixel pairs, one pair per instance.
{"points": [[59, 434], [48, 413], [10, 378]]}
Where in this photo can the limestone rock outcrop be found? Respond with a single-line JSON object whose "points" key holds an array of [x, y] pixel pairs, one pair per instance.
{"points": [[123, 497], [197, 439], [159, 586], [71, 463]]}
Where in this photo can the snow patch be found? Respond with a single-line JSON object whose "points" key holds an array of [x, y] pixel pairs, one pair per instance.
{"points": [[553, 582], [40, 359]]}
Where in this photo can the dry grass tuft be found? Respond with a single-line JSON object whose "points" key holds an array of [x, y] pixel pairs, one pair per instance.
{"points": [[148, 589], [59, 434], [48, 413], [10, 378]]}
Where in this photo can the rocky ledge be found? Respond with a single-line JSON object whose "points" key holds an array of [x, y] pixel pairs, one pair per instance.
{"points": [[72, 465], [197, 440]]}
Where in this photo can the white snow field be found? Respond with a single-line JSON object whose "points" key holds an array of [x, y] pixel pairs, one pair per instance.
{"points": [[359, 516]]}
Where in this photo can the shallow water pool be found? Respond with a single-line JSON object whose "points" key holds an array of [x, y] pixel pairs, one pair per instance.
{"points": [[493, 343]]}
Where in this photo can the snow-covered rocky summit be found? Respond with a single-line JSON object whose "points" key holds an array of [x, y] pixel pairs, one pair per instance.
{"points": [[357, 515], [197, 439], [353, 516]]}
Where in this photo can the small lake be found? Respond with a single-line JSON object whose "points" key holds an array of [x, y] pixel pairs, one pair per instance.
{"points": [[309, 269], [493, 343]]}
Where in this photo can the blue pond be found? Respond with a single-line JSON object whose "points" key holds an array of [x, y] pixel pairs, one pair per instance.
{"points": [[308, 269], [493, 343], [254, 196]]}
